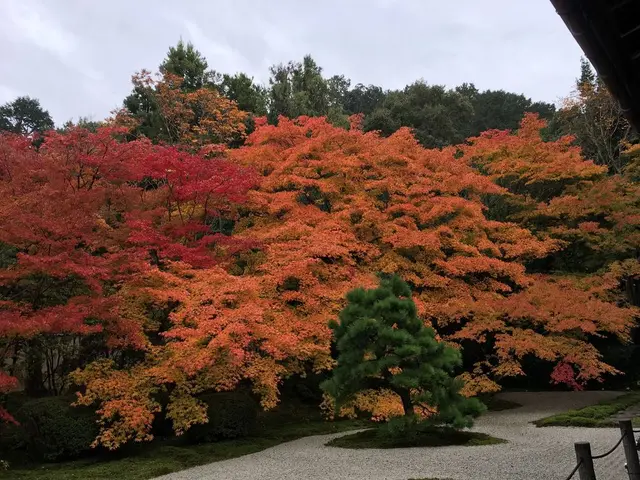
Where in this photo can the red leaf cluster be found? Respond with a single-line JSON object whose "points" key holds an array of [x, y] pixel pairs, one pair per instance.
{"points": [[89, 210]]}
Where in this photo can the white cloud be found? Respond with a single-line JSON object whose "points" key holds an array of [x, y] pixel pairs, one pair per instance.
{"points": [[385, 3], [33, 23], [214, 49], [219, 54]]}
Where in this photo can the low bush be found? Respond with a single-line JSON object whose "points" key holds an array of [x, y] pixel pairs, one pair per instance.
{"points": [[231, 415], [49, 429]]}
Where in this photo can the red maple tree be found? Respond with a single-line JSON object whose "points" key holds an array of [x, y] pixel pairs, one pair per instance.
{"points": [[86, 217]]}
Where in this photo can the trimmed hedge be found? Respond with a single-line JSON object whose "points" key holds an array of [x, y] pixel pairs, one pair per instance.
{"points": [[50, 429], [231, 415]]}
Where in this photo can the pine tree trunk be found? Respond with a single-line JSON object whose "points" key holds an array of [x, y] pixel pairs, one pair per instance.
{"points": [[405, 396]]}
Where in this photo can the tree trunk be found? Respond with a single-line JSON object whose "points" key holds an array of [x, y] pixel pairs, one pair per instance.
{"points": [[631, 290], [34, 381], [14, 359], [405, 396]]}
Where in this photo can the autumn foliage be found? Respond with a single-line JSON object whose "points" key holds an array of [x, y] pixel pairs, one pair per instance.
{"points": [[92, 217], [336, 207], [169, 113], [190, 269]]}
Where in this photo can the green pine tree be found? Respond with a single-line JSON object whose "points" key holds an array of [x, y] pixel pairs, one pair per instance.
{"points": [[187, 62], [382, 344], [587, 76]]}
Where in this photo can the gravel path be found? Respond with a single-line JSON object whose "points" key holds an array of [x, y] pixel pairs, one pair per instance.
{"points": [[532, 453]]}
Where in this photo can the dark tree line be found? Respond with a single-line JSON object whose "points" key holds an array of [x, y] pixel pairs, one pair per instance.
{"points": [[439, 116]]}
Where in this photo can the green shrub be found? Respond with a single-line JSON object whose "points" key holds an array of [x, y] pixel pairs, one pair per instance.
{"points": [[50, 429], [231, 415]]}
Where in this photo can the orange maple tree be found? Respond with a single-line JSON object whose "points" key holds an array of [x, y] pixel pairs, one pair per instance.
{"points": [[600, 216], [590, 215], [335, 207], [553, 190]]}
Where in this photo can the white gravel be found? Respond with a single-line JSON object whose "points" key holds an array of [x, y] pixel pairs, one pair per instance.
{"points": [[532, 453]]}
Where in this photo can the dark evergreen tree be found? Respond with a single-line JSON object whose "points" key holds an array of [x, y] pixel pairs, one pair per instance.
{"points": [[142, 104], [497, 109], [24, 116], [382, 344], [381, 120], [437, 116], [187, 62], [298, 88], [249, 96], [82, 122], [363, 99], [587, 75]]}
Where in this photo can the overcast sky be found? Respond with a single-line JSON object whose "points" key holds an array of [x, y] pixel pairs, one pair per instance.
{"points": [[77, 56]]}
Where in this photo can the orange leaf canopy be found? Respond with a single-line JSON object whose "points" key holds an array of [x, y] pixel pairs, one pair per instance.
{"points": [[336, 207]]}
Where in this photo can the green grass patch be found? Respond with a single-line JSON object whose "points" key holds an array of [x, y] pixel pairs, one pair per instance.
{"points": [[163, 457], [592, 416], [437, 437]]}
